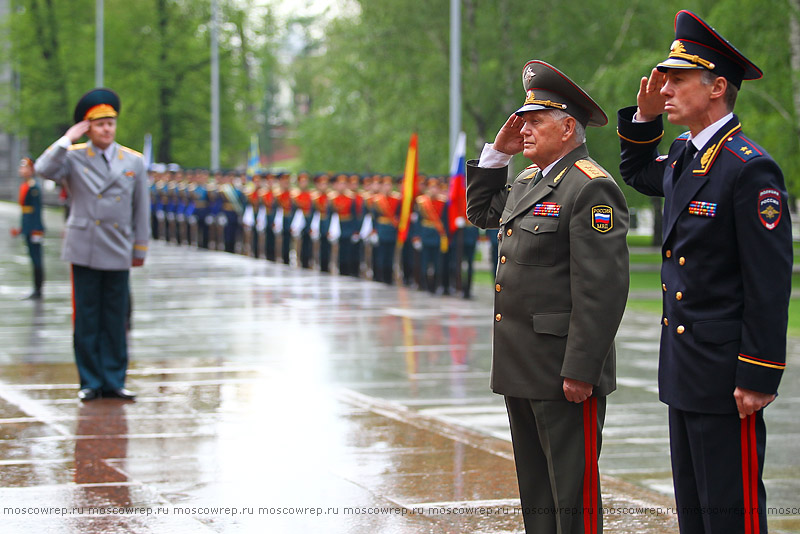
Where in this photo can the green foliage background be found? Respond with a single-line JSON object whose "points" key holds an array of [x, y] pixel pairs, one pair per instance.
{"points": [[376, 74]]}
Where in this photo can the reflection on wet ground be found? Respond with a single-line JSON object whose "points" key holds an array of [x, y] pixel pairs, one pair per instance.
{"points": [[287, 400]]}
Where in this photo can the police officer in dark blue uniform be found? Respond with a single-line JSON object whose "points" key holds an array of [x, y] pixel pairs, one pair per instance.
{"points": [[726, 275]]}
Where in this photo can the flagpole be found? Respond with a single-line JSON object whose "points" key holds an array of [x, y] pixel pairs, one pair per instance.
{"points": [[214, 86], [98, 44], [455, 73]]}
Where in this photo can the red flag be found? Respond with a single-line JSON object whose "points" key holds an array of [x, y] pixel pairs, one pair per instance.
{"points": [[457, 195], [409, 190]]}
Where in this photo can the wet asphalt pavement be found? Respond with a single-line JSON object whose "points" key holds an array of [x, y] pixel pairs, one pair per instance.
{"points": [[273, 399]]}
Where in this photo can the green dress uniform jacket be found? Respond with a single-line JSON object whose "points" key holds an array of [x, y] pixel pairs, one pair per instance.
{"points": [[109, 223], [562, 274]]}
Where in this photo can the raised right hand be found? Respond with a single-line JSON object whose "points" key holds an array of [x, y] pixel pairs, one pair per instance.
{"points": [[77, 130], [509, 139], [649, 99]]}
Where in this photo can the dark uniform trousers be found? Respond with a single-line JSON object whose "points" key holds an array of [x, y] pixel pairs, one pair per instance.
{"points": [[100, 310], [548, 448], [723, 491]]}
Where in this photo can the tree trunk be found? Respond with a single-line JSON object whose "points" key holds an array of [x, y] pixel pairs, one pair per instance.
{"points": [[794, 46]]}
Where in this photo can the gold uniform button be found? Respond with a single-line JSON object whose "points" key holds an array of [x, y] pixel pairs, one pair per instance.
{"points": [[501, 220], [664, 287], [509, 232], [97, 222], [497, 288], [503, 259], [666, 322], [682, 260], [116, 225], [118, 199], [498, 317], [668, 254], [678, 295], [535, 227], [99, 195], [680, 329]]}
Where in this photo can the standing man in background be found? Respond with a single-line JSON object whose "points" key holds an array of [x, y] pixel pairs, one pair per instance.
{"points": [[561, 288], [726, 275], [107, 233], [30, 199]]}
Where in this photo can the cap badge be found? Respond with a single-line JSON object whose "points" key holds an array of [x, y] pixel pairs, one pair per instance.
{"points": [[529, 74], [678, 47]]}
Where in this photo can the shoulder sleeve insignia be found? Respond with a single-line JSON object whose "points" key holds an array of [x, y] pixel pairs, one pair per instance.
{"points": [[602, 218], [769, 208], [684, 136], [590, 169]]}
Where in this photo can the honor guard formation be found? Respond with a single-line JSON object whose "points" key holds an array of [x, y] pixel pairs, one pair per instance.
{"points": [[340, 223]]}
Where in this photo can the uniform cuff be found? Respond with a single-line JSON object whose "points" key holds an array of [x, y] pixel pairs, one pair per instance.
{"points": [[638, 132], [63, 142], [493, 159]]}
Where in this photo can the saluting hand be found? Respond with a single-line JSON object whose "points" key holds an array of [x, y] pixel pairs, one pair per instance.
{"points": [[77, 130], [649, 99], [749, 402], [576, 390], [509, 139]]}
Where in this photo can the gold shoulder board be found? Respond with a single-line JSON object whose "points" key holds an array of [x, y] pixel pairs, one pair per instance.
{"points": [[590, 169]]}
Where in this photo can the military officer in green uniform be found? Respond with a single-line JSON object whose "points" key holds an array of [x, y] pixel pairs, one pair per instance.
{"points": [[561, 288]]}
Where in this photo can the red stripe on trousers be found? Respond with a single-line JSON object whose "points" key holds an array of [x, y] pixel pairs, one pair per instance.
{"points": [[749, 474], [590, 466]]}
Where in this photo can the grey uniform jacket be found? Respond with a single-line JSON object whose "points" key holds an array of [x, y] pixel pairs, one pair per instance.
{"points": [[109, 222], [562, 274]]}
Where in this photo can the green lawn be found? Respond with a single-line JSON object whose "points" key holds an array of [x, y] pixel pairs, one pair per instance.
{"points": [[651, 280]]}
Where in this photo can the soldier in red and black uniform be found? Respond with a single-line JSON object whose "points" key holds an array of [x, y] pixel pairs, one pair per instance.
{"points": [[283, 215], [347, 207], [301, 223], [430, 235], [30, 198], [386, 217], [320, 221]]}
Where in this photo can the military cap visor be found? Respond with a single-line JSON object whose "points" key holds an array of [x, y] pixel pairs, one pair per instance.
{"points": [[546, 87], [698, 46], [97, 104]]}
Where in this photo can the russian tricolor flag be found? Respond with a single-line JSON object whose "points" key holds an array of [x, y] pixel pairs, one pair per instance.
{"points": [[457, 196]]}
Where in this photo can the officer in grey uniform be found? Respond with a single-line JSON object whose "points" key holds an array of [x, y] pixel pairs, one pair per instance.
{"points": [[561, 288], [107, 233]]}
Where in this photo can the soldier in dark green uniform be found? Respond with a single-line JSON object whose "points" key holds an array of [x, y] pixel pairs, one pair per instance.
{"points": [[30, 199], [561, 288]]}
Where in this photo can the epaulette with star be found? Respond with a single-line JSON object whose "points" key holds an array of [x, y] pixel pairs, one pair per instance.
{"points": [[590, 169], [742, 148]]}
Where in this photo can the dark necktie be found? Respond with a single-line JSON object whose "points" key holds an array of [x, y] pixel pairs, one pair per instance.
{"points": [[686, 159], [538, 177], [105, 158]]}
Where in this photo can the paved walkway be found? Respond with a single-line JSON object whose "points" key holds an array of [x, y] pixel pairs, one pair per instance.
{"points": [[280, 400]]}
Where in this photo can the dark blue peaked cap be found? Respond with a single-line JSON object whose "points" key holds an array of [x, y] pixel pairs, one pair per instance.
{"points": [[698, 46]]}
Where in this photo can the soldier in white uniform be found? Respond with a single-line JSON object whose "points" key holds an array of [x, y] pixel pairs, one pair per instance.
{"points": [[107, 233]]}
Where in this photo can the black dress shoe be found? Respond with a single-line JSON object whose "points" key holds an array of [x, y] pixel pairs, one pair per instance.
{"points": [[121, 393], [87, 394]]}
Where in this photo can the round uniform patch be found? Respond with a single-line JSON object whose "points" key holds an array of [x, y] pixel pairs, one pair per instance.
{"points": [[769, 208], [602, 218]]}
